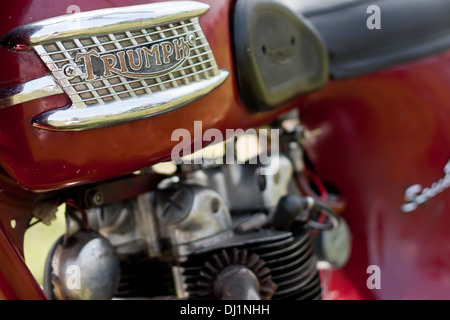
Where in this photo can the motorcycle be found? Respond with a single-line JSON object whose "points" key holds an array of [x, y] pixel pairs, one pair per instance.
{"points": [[344, 197]]}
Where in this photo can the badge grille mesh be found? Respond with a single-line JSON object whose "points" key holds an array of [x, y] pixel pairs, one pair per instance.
{"points": [[56, 55]]}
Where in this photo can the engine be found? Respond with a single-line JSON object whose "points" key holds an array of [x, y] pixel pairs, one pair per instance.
{"points": [[210, 230]]}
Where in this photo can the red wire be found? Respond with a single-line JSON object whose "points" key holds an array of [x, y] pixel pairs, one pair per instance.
{"points": [[322, 192], [84, 217], [315, 179]]}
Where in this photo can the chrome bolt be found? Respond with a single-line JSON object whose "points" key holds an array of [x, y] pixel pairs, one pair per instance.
{"points": [[190, 39], [69, 71], [178, 206], [96, 198]]}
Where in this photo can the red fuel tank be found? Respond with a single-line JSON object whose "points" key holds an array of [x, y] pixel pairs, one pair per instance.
{"points": [[42, 157]]}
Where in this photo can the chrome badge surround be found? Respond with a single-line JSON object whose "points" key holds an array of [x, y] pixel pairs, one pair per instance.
{"points": [[122, 64]]}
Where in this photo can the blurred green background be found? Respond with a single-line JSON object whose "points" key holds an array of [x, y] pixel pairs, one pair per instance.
{"points": [[38, 241]]}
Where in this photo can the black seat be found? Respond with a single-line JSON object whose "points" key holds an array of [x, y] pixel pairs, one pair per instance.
{"points": [[409, 29]]}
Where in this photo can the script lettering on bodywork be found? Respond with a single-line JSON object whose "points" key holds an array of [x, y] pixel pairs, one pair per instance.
{"points": [[416, 195]]}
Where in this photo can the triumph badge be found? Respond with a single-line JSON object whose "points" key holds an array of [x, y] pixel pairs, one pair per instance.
{"points": [[123, 64], [141, 62]]}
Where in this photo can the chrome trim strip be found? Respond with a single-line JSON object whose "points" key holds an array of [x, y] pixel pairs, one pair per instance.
{"points": [[103, 21], [27, 91], [77, 119]]}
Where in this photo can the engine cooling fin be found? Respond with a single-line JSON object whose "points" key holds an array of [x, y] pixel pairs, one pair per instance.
{"points": [[143, 277], [288, 262]]}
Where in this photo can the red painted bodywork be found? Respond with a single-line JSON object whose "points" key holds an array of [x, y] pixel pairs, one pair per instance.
{"points": [[16, 204], [29, 154], [380, 133]]}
